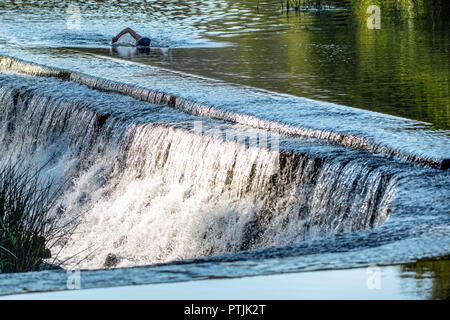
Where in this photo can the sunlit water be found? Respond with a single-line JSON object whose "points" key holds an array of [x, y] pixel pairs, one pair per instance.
{"points": [[345, 188]]}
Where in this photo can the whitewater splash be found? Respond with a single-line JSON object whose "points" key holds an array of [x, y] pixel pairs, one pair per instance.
{"points": [[147, 186]]}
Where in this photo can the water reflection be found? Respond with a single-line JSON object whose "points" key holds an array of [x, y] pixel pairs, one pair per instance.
{"points": [[129, 52], [435, 270], [401, 69]]}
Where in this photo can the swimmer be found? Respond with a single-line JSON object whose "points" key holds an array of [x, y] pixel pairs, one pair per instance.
{"points": [[140, 40]]}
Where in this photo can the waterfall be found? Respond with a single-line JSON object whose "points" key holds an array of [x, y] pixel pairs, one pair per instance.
{"points": [[147, 187]]}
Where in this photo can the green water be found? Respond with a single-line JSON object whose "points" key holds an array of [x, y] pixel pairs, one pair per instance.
{"points": [[400, 69], [437, 270]]}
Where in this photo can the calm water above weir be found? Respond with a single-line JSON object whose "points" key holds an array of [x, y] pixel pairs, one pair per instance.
{"points": [[401, 69]]}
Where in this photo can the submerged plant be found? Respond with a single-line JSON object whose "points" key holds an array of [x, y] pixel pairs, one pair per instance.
{"points": [[27, 218]]}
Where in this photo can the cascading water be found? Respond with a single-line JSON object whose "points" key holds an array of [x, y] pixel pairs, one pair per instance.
{"points": [[147, 186]]}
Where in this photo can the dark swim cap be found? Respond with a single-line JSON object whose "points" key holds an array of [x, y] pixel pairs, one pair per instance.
{"points": [[144, 41]]}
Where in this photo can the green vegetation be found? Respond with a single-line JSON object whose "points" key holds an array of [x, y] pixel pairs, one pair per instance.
{"points": [[26, 225]]}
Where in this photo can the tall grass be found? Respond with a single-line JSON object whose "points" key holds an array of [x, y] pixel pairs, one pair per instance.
{"points": [[27, 218]]}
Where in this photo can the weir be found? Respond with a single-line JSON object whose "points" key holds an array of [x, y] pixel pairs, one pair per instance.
{"points": [[149, 183], [315, 121]]}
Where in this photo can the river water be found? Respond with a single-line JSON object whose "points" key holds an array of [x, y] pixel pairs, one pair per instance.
{"points": [[158, 142]]}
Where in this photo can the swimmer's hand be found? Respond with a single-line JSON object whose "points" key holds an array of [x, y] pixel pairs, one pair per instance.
{"points": [[114, 39]]}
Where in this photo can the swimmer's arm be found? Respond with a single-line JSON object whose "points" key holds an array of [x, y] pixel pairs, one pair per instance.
{"points": [[124, 31]]}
